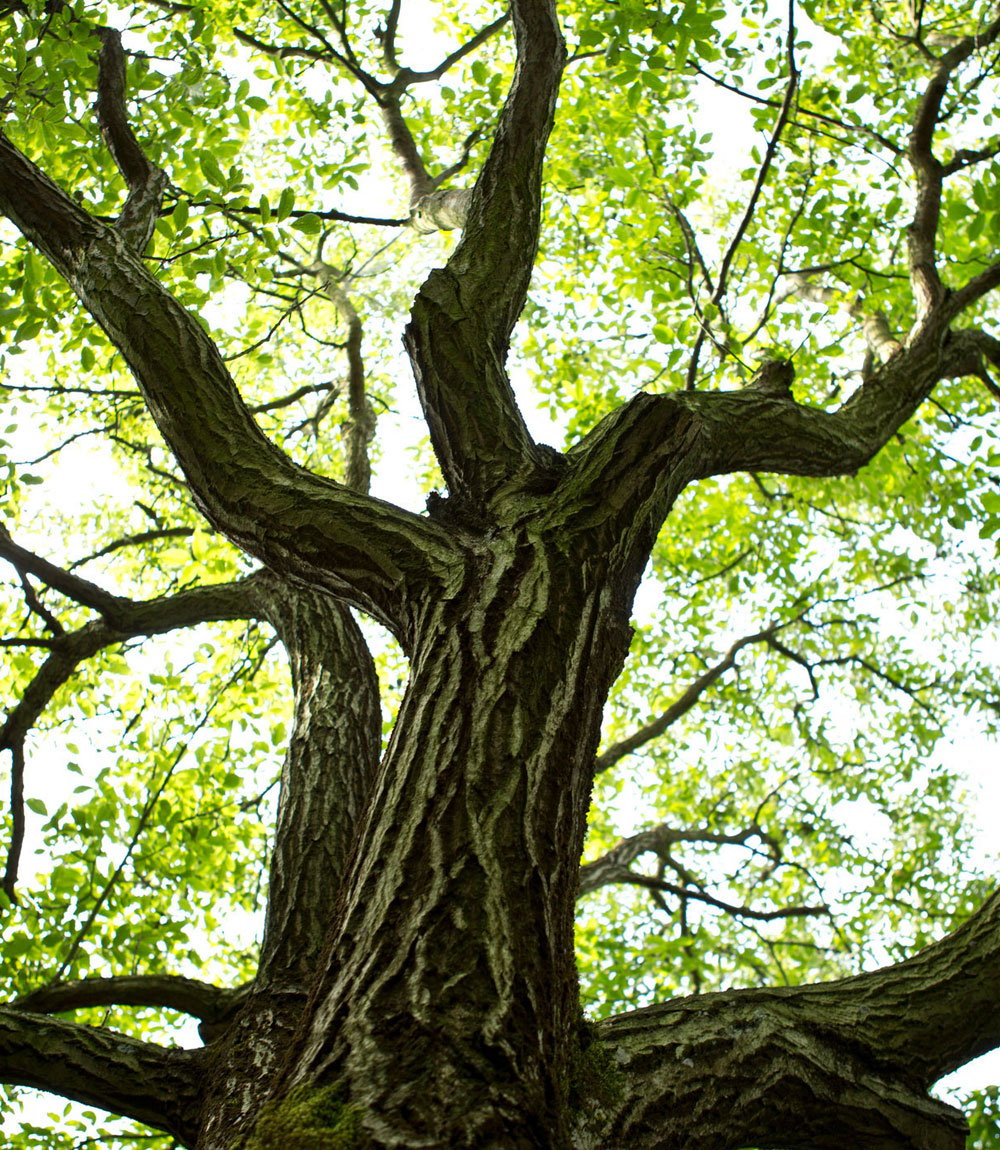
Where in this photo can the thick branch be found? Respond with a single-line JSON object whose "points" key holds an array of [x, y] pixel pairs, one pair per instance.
{"points": [[101, 1068], [72, 586], [836, 1064], [299, 523], [146, 182], [463, 315], [388, 37], [361, 426], [405, 147], [654, 445], [634, 464], [327, 777], [441, 211], [928, 291], [326, 787], [191, 996], [972, 291], [973, 350], [388, 97]]}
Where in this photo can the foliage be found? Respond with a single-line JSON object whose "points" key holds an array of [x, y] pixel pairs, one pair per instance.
{"points": [[817, 781]]}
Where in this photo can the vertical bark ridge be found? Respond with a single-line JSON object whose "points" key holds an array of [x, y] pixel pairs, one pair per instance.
{"points": [[450, 1000]]}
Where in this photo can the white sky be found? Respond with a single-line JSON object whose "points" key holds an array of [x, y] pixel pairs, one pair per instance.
{"points": [[84, 473]]}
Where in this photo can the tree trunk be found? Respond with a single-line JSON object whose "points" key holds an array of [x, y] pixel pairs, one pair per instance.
{"points": [[326, 782], [446, 1008]]}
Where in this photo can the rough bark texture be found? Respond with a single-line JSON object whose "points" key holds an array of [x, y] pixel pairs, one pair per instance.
{"points": [[101, 1068], [417, 957], [451, 997]]}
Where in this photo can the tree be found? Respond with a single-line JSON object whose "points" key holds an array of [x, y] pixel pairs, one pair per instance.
{"points": [[788, 425]]}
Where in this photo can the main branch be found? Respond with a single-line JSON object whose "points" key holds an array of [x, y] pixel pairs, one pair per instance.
{"points": [[462, 318], [101, 1068], [299, 523], [835, 1064]]}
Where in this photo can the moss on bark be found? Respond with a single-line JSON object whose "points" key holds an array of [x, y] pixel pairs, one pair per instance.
{"points": [[308, 1118]]}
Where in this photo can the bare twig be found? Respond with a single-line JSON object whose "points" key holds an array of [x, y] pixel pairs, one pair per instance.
{"points": [[687, 700], [856, 129], [791, 87], [134, 540], [407, 77], [322, 214]]}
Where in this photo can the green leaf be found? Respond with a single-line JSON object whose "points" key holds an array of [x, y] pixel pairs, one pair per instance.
{"points": [[285, 204], [213, 173], [309, 224]]}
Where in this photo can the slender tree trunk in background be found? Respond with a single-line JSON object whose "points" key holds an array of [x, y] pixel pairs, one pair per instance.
{"points": [[326, 781]]}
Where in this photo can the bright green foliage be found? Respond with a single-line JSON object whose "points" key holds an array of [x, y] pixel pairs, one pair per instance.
{"points": [[151, 775], [983, 1111]]}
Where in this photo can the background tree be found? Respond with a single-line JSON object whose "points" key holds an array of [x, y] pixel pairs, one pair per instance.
{"points": [[772, 383]]}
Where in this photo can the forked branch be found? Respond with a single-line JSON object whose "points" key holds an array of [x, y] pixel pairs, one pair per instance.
{"points": [[146, 182], [928, 290], [614, 868], [122, 618]]}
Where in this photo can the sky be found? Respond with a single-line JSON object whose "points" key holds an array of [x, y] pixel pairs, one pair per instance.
{"points": [[84, 472]]}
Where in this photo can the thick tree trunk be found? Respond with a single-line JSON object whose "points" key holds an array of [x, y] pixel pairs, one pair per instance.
{"points": [[417, 956], [446, 1007]]}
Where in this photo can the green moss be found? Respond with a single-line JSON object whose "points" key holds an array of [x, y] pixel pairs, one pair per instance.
{"points": [[594, 1079], [307, 1118]]}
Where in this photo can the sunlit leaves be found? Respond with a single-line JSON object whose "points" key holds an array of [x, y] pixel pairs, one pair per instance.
{"points": [[829, 741]]}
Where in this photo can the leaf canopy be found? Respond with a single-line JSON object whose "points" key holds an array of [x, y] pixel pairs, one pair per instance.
{"points": [[723, 189]]}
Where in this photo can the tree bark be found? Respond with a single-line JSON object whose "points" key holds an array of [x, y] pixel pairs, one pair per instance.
{"points": [[326, 782], [418, 949], [447, 1005]]}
